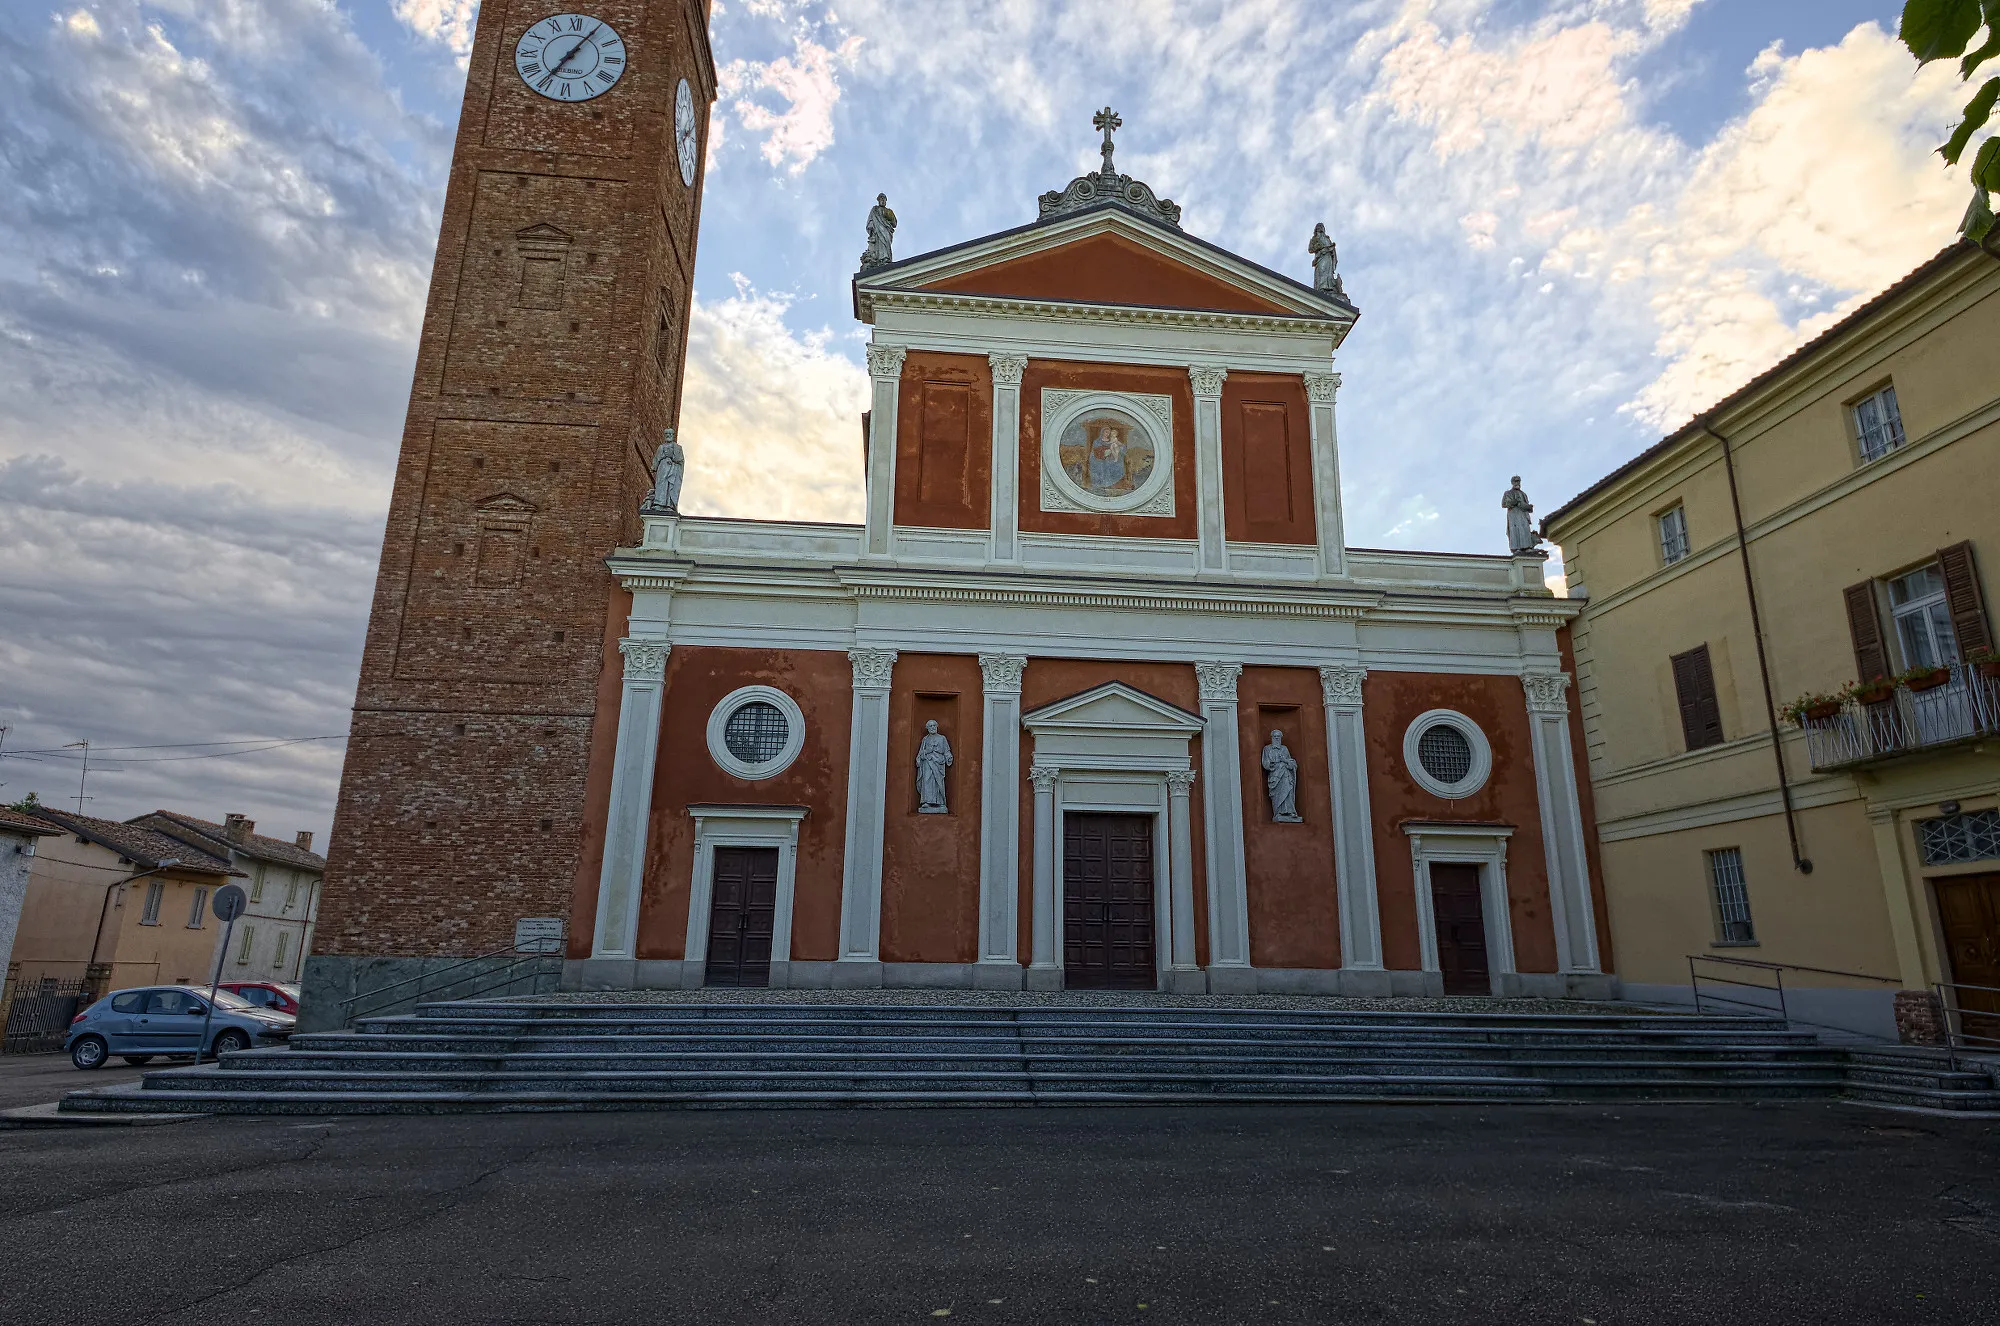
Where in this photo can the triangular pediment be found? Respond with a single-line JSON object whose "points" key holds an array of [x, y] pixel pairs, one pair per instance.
{"points": [[542, 233], [1106, 256], [505, 504], [1113, 706]]}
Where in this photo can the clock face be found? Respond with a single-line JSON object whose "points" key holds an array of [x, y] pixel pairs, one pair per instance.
{"points": [[687, 138], [570, 57]]}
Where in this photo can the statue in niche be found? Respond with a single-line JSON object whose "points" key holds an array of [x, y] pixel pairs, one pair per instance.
{"points": [[1281, 780], [881, 234], [1326, 263], [933, 758], [669, 468], [1521, 536]]}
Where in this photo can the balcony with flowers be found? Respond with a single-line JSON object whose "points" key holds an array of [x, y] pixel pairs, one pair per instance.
{"points": [[1926, 708]]}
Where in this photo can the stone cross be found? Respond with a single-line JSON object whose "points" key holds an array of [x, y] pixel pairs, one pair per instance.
{"points": [[1107, 120]]}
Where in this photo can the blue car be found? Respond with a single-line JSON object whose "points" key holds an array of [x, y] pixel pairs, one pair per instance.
{"points": [[168, 1020]]}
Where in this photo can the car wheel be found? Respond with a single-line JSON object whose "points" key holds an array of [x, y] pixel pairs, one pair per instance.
{"points": [[229, 1042], [89, 1052], [137, 1060]]}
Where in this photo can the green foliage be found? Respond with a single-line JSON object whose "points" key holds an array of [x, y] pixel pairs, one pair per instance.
{"points": [[1942, 30], [27, 804]]}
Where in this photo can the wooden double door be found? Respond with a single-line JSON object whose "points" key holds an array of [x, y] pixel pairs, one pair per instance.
{"points": [[1108, 901], [1459, 916], [742, 911], [1969, 912]]}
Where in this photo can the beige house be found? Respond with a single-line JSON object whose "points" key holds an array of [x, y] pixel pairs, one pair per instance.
{"points": [[1827, 524], [116, 905], [281, 879]]}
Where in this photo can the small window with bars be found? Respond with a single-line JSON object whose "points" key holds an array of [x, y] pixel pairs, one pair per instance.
{"points": [[1878, 424], [1673, 534], [757, 732], [195, 913], [1732, 897], [1955, 839]]}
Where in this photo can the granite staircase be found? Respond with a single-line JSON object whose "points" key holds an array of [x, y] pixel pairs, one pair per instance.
{"points": [[479, 1056]]}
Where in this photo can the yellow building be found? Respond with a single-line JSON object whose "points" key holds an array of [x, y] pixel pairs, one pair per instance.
{"points": [[1823, 526]]}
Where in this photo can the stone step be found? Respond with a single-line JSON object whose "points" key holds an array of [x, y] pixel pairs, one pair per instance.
{"points": [[1933, 1079], [1924, 1098]]}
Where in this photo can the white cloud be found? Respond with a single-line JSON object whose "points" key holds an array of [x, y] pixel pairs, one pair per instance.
{"points": [[807, 82], [771, 421], [449, 22]]}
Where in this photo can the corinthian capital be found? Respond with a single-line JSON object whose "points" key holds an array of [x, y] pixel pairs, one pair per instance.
{"points": [[1001, 673], [1545, 692], [886, 361], [1044, 776], [1320, 387], [1217, 680], [645, 660], [1341, 686], [872, 668], [1179, 781], [1207, 380], [1007, 369]]}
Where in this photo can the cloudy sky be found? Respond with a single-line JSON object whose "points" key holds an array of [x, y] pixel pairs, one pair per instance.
{"points": [[1569, 224]]}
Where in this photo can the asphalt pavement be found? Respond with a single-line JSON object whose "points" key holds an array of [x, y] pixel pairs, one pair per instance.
{"points": [[34, 1079], [1818, 1213]]}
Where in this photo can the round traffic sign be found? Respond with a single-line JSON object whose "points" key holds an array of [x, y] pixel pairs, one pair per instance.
{"points": [[229, 902]]}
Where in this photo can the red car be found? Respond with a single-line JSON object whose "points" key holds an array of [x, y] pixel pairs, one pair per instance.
{"points": [[274, 995]]}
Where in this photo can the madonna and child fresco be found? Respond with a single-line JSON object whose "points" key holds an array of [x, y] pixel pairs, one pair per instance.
{"points": [[1106, 453]]}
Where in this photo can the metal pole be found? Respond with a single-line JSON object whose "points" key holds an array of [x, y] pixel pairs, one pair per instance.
{"points": [[228, 929]]}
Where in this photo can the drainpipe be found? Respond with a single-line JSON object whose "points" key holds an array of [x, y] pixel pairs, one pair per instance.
{"points": [[1799, 862], [105, 910]]}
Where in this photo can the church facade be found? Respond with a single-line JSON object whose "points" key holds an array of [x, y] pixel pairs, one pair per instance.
{"points": [[1097, 695]]}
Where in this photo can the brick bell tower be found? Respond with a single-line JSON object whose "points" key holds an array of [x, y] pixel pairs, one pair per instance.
{"points": [[550, 361]]}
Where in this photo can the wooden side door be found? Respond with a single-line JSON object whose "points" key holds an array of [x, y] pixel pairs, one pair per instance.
{"points": [[742, 911], [1108, 902], [1460, 917], [1969, 909]]}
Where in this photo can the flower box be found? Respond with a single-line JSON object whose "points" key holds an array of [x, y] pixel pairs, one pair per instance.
{"points": [[1875, 692], [1819, 713], [1929, 679]]}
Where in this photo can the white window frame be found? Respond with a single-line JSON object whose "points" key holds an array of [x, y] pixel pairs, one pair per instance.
{"points": [[718, 721], [1873, 444], [1482, 754], [1920, 610], [1719, 862], [1672, 527], [156, 892], [196, 912]]}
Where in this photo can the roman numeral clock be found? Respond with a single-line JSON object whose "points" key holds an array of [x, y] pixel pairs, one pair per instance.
{"points": [[570, 57]]}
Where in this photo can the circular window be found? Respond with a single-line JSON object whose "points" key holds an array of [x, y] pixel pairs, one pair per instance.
{"points": [[1447, 754], [756, 732]]}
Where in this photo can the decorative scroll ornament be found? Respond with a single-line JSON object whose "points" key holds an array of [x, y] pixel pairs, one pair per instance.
{"points": [[1217, 680], [886, 361], [1001, 673], [1342, 686], [1007, 369], [645, 660], [1044, 776], [1106, 185], [1320, 387], [1207, 380], [1545, 692], [1179, 781], [872, 668]]}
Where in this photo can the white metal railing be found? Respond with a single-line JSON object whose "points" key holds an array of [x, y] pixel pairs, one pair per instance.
{"points": [[1967, 705]]}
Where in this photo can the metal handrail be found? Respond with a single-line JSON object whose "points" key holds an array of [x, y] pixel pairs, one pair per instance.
{"points": [[1790, 966], [1777, 971], [441, 978], [1956, 1040]]}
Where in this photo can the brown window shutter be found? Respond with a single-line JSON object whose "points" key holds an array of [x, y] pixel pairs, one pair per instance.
{"points": [[1871, 657], [1701, 711], [1968, 606]]}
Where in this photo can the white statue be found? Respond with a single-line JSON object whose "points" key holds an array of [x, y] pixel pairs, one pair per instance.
{"points": [[933, 758], [1281, 780], [881, 234], [1326, 262], [669, 467], [1521, 536]]}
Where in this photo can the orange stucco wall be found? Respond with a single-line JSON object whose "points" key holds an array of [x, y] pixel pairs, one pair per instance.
{"points": [[1294, 906], [1106, 269], [930, 863], [1498, 706], [1049, 680], [821, 683], [944, 441], [1172, 382], [1267, 488]]}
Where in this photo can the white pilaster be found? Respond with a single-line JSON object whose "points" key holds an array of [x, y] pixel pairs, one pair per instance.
{"points": [[1562, 822], [620, 878], [885, 367], [1320, 391], [867, 799], [1000, 822], [1209, 529], [1228, 895], [1183, 972], [1353, 822], [1006, 517], [1045, 965]]}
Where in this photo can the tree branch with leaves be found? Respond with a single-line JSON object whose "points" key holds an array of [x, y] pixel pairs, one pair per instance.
{"points": [[1944, 30]]}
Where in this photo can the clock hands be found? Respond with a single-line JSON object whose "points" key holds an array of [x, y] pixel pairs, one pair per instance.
{"points": [[587, 38]]}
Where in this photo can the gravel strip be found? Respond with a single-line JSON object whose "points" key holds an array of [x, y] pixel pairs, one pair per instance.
{"points": [[1080, 999]]}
